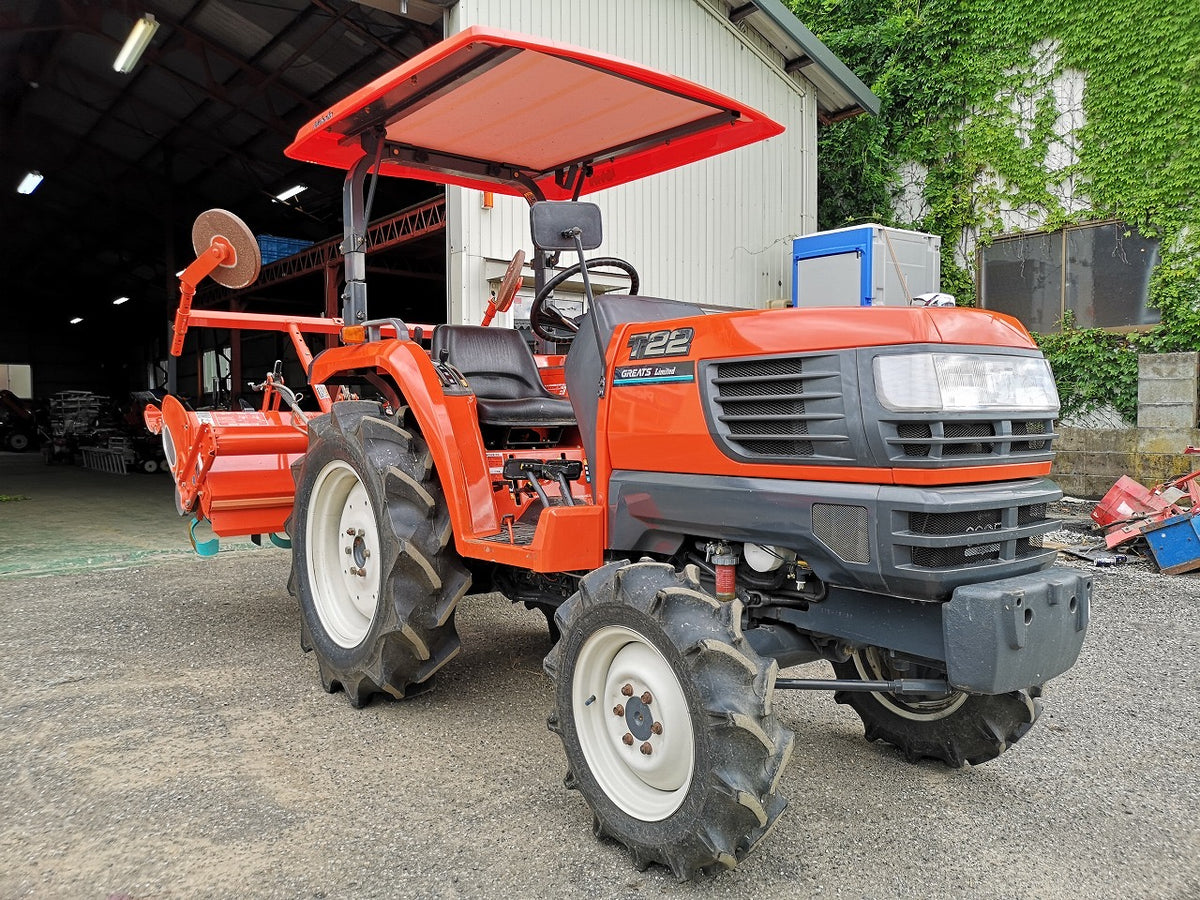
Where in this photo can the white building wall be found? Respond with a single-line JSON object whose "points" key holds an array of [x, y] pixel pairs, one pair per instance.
{"points": [[718, 231]]}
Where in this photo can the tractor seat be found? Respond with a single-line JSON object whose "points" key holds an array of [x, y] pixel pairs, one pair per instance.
{"points": [[499, 366]]}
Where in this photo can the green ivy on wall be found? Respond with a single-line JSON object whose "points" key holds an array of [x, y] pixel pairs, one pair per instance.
{"points": [[968, 98]]}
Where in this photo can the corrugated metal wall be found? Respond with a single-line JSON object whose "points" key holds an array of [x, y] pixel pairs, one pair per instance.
{"points": [[718, 231]]}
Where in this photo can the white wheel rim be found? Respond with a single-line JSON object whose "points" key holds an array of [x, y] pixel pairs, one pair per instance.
{"points": [[872, 667], [651, 786], [342, 554]]}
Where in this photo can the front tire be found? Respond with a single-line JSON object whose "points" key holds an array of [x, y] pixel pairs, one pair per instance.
{"points": [[664, 711], [957, 729], [373, 565]]}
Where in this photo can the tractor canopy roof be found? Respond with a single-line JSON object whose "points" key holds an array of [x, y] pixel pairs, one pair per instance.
{"points": [[505, 112]]}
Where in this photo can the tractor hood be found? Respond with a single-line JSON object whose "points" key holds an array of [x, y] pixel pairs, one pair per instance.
{"points": [[514, 114]]}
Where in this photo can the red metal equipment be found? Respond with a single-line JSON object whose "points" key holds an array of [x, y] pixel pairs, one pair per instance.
{"points": [[1129, 509]]}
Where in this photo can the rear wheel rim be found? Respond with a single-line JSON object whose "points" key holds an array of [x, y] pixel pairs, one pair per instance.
{"points": [[615, 668], [343, 554], [872, 666]]}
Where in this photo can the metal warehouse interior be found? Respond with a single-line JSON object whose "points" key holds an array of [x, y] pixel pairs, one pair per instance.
{"points": [[201, 121]]}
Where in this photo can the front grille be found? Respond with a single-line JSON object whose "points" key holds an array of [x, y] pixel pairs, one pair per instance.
{"points": [[955, 557], [953, 442], [954, 523], [843, 529], [919, 433], [779, 409], [960, 438], [1027, 428], [962, 538], [1028, 515]]}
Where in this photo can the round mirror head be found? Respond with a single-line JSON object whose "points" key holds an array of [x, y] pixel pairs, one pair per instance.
{"points": [[247, 260]]}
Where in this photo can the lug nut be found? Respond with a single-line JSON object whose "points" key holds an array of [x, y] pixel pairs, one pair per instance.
{"points": [[646, 749], [656, 727], [366, 553], [350, 532], [647, 699], [618, 710], [627, 690], [628, 739], [347, 551], [360, 533]]}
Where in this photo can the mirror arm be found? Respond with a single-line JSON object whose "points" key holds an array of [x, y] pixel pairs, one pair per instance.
{"points": [[591, 300]]}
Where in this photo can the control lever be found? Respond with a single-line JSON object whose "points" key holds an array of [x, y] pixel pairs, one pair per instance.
{"points": [[533, 471]]}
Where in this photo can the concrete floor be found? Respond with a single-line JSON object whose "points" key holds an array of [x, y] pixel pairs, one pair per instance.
{"points": [[61, 518], [162, 735]]}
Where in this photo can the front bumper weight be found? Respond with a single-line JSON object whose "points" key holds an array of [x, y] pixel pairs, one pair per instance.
{"points": [[1015, 633]]}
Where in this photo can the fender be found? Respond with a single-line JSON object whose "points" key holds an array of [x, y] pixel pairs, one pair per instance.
{"points": [[448, 423]]}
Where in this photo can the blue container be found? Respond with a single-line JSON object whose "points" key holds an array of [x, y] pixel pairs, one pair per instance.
{"points": [[861, 266], [1176, 544], [276, 248]]}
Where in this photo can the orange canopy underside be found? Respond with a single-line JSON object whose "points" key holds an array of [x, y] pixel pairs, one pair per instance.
{"points": [[500, 112]]}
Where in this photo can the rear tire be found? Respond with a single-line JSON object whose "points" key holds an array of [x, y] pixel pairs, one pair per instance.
{"points": [[373, 565], [707, 791], [957, 729], [18, 442]]}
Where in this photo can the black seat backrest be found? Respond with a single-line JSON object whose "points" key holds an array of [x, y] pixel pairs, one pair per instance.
{"points": [[585, 361], [496, 361]]}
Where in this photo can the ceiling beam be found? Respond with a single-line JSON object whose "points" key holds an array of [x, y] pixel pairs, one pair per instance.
{"points": [[256, 73]]}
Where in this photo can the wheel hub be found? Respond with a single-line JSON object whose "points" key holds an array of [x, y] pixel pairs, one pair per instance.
{"points": [[359, 551], [639, 719]]}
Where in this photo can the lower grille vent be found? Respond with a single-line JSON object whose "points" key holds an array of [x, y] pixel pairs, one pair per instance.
{"points": [[843, 529]]}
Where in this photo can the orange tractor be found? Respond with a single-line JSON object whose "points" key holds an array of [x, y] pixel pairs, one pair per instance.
{"points": [[715, 497]]}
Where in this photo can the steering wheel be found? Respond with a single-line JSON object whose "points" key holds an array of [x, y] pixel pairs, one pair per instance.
{"points": [[551, 325]]}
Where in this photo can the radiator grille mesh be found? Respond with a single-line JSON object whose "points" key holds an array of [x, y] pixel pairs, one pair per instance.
{"points": [[843, 529]]}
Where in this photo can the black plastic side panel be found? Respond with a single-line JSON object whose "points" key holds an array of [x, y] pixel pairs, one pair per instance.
{"points": [[654, 511]]}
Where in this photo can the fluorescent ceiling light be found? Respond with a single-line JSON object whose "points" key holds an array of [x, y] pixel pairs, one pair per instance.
{"points": [[29, 183], [76, 320], [120, 300], [291, 192], [136, 44]]}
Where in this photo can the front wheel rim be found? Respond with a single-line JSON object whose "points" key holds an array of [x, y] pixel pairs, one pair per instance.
{"points": [[616, 670], [342, 554]]}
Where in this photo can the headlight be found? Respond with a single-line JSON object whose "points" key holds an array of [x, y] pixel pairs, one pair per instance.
{"points": [[964, 382]]}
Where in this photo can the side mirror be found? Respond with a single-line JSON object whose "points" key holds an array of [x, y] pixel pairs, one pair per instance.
{"points": [[553, 223]]}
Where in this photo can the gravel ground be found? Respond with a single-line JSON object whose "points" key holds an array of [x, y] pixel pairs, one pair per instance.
{"points": [[162, 735]]}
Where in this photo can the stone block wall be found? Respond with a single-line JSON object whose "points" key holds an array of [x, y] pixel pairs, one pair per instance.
{"points": [[1168, 390], [1089, 460]]}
